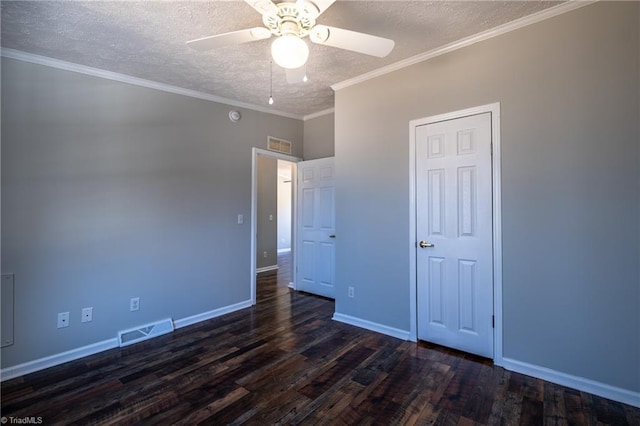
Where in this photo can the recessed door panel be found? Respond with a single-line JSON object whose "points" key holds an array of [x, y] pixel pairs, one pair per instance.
{"points": [[467, 309], [306, 259], [326, 208], [436, 290], [308, 208], [436, 213], [466, 201]]}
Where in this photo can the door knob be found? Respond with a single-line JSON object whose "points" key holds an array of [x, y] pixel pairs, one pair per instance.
{"points": [[425, 244]]}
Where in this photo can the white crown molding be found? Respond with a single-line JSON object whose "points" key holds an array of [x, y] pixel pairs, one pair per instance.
{"points": [[123, 78], [468, 41], [319, 114]]}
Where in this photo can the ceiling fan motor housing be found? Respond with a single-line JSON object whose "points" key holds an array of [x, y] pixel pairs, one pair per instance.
{"points": [[291, 18]]}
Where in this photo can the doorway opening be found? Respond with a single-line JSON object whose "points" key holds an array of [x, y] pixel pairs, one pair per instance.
{"points": [[273, 209], [285, 206]]}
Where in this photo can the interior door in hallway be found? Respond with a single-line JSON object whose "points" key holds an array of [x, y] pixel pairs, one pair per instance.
{"points": [[315, 248], [454, 234]]}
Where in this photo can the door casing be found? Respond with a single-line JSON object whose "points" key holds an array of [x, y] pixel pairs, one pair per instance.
{"points": [[494, 109]]}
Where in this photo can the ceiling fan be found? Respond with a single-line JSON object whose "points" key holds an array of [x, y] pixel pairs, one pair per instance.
{"points": [[290, 22]]}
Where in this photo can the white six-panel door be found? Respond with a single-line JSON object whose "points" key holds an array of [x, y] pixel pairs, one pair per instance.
{"points": [[454, 233], [315, 248]]}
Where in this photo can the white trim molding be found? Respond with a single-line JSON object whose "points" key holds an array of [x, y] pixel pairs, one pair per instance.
{"points": [[372, 326], [318, 114], [496, 173], [194, 319], [574, 382], [94, 348], [468, 41], [123, 78], [57, 359], [266, 268]]}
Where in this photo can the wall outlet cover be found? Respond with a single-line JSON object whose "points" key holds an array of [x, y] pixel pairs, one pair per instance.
{"points": [[87, 315], [63, 319], [134, 304]]}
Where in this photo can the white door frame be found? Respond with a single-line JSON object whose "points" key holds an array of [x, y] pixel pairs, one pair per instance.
{"points": [[255, 152], [494, 109]]}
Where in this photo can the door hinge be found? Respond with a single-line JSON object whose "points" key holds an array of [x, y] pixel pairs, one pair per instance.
{"points": [[493, 321]]}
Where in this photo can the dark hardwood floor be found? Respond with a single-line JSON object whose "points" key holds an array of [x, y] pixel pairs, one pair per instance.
{"points": [[285, 361]]}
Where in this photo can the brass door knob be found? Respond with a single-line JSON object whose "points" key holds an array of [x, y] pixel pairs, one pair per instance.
{"points": [[425, 244]]}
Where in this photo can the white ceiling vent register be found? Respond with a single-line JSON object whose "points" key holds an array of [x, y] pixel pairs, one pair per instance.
{"points": [[278, 145], [145, 332]]}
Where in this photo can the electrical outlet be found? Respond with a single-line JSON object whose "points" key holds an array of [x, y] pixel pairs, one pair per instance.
{"points": [[63, 319], [240, 219], [134, 304], [87, 314], [264, 254], [351, 292]]}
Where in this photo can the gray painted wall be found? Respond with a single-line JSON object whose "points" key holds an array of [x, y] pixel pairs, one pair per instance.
{"points": [[267, 205], [568, 89], [319, 137], [112, 191]]}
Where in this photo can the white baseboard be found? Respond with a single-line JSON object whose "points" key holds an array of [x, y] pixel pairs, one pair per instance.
{"points": [[184, 322], [266, 268], [284, 250], [292, 285], [94, 348], [575, 382], [373, 326], [580, 383], [57, 359]]}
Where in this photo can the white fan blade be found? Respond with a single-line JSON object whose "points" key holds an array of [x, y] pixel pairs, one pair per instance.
{"points": [[229, 39], [263, 7], [321, 5], [351, 40], [296, 75]]}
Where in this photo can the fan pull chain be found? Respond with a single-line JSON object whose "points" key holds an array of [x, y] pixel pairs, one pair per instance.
{"points": [[271, 83]]}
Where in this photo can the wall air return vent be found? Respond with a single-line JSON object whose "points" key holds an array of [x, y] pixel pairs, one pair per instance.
{"points": [[278, 145], [145, 332]]}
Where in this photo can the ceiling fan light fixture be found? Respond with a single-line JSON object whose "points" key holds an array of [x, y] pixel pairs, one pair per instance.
{"points": [[289, 51]]}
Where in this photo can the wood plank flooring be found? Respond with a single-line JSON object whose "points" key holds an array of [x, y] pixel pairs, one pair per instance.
{"points": [[284, 361]]}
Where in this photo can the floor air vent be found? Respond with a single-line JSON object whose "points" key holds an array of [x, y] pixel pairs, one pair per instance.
{"points": [[145, 332]]}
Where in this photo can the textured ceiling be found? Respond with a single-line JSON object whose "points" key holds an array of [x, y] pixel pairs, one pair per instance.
{"points": [[146, 39]]}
